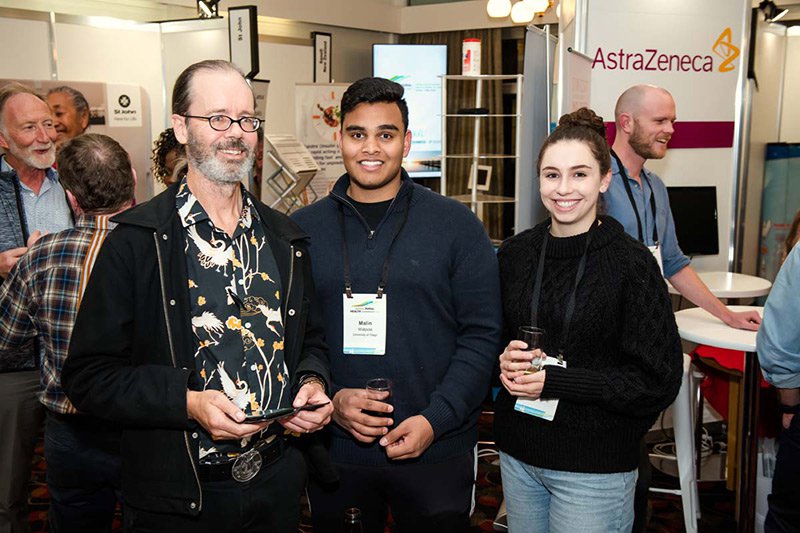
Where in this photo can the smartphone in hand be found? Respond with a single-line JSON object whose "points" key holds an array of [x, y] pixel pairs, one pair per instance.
{"points": [[275, 414]]}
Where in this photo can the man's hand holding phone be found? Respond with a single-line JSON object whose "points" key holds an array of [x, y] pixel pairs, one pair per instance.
{"points": [[276, 414], [220, 416], [309, 419]]}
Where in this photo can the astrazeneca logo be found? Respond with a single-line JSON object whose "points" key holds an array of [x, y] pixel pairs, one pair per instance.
{"points": [[725, 49], [654, 60]]}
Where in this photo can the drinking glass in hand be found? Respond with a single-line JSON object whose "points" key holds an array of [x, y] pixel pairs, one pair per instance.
{"points": [[376, 390], [533, 337]]}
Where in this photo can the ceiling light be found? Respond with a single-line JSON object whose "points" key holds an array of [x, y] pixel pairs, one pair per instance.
{"points": [[522, 12], [498, 8], [538, 6]]}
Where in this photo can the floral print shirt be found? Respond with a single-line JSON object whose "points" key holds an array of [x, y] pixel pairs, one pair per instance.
{"points": [[235, 296]]}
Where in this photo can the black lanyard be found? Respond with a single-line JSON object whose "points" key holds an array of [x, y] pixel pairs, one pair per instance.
{"points": [[628, 190], [348, 283], [537, 288], [23, 219]]}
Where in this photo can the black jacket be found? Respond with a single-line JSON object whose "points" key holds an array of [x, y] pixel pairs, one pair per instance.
{"points": [[131, 355]]}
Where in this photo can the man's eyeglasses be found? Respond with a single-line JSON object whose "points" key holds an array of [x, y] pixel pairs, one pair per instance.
{"points": [[224, 122]]}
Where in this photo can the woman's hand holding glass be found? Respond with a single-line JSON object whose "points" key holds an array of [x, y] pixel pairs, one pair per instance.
{"points": [[516, 364]]}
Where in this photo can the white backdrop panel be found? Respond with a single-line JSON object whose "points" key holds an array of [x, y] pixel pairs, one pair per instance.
{"points": [[284, 65], [681, 27], [186, 43], [112, 55], [676, 28]]}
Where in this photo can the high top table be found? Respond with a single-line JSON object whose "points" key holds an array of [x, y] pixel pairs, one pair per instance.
{"points": [[731, 285], [699, 326]]}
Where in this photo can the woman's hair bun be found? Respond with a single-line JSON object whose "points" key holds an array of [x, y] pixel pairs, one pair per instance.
{"points": [[583, 117]]}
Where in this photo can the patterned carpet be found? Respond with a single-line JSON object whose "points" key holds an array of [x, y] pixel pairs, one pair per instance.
{"points": [[667, 516]]}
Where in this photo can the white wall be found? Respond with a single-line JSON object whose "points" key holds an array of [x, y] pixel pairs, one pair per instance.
{"points": [[185, 43], [790, 116], [26, 48], [283, 65]]}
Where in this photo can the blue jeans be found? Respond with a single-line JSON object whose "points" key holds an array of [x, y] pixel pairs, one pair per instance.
{"points": [[540, 500]]}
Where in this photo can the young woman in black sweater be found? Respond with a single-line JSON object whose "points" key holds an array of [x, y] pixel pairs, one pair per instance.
{"points": [[569, 433]]}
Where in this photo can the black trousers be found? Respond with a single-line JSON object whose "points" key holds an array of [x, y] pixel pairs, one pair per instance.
{"points": [[83, 473], [422, 497], [784, 502], [268, 502]]}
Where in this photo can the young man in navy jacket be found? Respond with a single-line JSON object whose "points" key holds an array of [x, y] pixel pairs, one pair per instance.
{"points": [[409, 289]]}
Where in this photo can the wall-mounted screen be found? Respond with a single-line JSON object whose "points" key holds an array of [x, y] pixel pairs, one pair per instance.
{"points": [[695, 212], [417, 67]]}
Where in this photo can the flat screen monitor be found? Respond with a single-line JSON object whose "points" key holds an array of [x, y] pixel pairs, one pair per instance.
{"points": [[418, 68], [695, 212]]}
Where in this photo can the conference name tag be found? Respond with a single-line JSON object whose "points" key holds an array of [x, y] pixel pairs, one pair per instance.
{"points": [[364, 321], [656, 251], [545, 409]]}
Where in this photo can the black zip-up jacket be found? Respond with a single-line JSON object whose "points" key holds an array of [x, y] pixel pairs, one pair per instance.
{"points": [[131, 354]]}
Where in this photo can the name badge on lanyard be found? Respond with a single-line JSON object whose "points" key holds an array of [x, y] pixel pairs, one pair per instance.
{"points": [[544, 409], [364, 320], [656, 248], [364, 314]]}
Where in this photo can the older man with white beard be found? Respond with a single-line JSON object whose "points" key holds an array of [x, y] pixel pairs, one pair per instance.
{"points": [[199, 320], [32, 202]]}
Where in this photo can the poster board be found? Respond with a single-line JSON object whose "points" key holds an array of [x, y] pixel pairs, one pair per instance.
{"points": [[318, 122]]}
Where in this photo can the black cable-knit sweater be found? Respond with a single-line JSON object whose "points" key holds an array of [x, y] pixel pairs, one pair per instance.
{"points": [[624, 358]]}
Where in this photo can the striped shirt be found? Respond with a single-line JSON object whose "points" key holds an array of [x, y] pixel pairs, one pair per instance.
{"points": [[41, 297]]}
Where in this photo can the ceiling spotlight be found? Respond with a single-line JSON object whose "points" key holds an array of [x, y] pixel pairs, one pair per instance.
{"points": [[772, 13], [498, 8], [207, 9], [780, 15]]}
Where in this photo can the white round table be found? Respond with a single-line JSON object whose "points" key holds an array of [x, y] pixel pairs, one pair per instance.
{"points": [[700, 326], [697, 325], [731, 285]]}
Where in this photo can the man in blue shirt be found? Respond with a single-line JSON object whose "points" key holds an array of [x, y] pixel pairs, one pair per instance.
{"points": [[778, 345], [638, 199], [645, 116]]}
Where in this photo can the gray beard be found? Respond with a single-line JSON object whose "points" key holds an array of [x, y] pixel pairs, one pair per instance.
{"points": [[212, 168]]}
